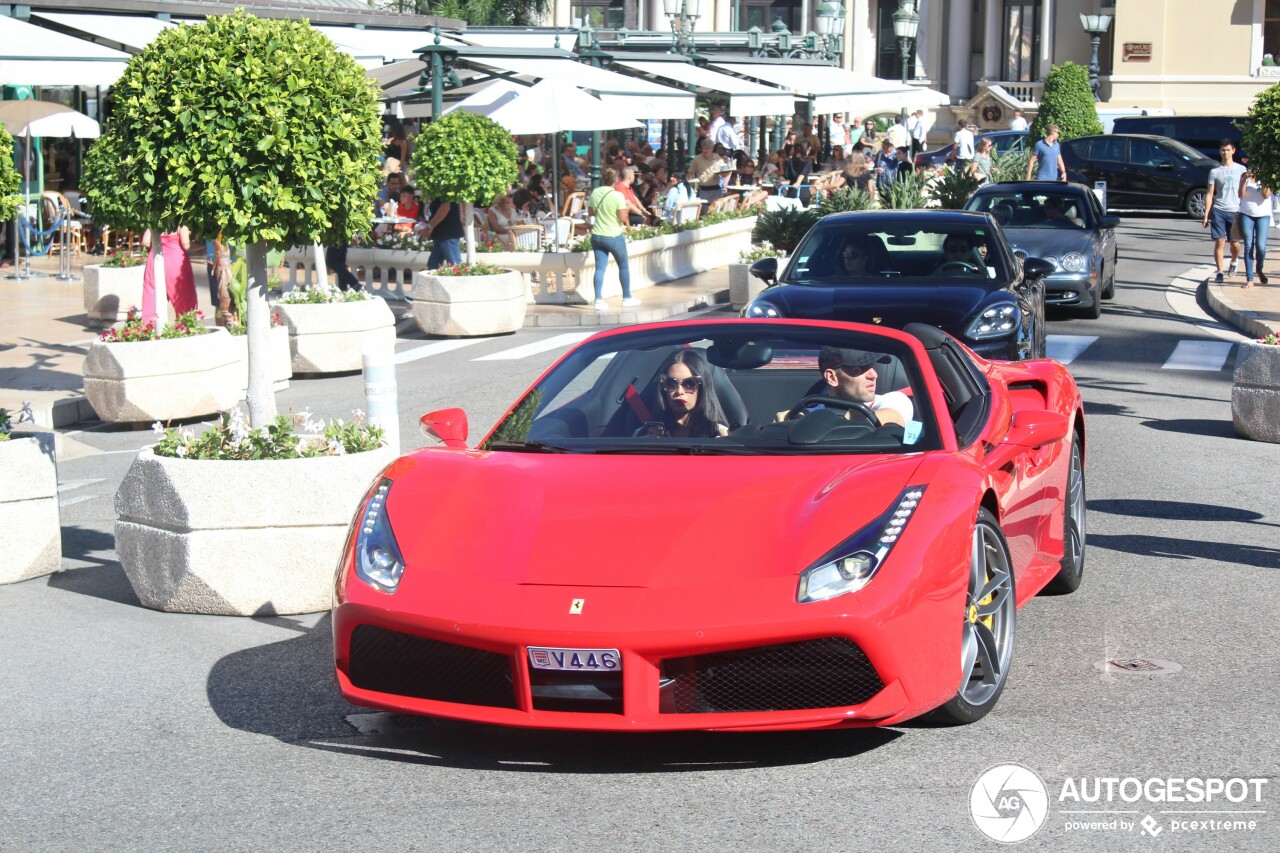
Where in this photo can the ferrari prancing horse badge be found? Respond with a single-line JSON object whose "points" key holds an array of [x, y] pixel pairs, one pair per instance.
{"points": [[575, 607]]}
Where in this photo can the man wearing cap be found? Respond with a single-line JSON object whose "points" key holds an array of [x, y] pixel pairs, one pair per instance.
{"points": [[849, 374]]}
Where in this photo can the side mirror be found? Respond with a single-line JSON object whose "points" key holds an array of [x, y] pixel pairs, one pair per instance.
{"points": [[1037, 428], [448, 426], [1109, 221], [765, 269], [1034, 268]]}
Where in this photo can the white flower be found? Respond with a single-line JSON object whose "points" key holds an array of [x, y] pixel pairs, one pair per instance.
{"points": [[359, 413], [334, 447], [157, 428], [181, 451], [316, 426], [264, 433]]}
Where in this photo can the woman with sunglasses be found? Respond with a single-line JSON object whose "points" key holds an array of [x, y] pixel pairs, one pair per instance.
{"points": [[687, 403]]}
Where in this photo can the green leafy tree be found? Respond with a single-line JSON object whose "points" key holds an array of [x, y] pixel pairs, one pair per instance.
{"points": [[1068, 103], [1262, 137], [463, 158], [10, 183], [259, 129], [477, 13]]}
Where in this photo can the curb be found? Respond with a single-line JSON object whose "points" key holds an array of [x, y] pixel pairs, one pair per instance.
{"points": [[1248, 322], [585, 315]]}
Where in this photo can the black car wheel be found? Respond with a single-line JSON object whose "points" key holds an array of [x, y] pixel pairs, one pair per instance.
{"points": [[1071, 569], [1094, 309], [1195, 203], [1109, 289]]}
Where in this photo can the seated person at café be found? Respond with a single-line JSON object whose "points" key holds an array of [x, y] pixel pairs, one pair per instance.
{"points": [[501, 216]]}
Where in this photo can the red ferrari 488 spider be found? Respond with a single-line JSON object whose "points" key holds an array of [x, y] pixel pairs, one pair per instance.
{"points": [[732, 524]]}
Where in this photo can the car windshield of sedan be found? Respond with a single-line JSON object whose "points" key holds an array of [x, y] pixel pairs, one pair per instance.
{"points": [[869, 253], [735, 388], [1040, 208]]}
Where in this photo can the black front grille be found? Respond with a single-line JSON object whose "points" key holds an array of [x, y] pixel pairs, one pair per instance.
{"points": [[585, 692], [405, 665], [827, 673]]}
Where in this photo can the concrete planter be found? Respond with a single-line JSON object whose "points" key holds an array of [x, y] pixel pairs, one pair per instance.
{"points": [[469, 305], [331, 337], [279, 358], [743, 286], [163, 380], [238, 538], [111, 292], [31, 535], [1255, 391]]}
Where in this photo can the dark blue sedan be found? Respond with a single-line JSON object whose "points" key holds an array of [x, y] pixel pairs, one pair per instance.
{"points": [[1064, 224], [950, 269]]}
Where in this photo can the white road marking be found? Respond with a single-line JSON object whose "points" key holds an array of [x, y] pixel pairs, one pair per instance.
{"points": [[435, 348], [1181, 294], [557, 342], [1065, 348], [81, 499], [1198, 355]]}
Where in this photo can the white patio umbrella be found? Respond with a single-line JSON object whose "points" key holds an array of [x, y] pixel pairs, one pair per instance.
{"points": [[552, 106], [36, 119]]}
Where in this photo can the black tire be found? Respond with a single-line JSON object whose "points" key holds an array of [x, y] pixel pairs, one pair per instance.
{"points": [[1194, 205], [1094, 310], [1109, 291], [1074, 528], [985, 646]]}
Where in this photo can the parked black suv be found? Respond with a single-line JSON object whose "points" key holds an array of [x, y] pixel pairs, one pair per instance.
{"points": [[1203, 133], [1141, 171]]}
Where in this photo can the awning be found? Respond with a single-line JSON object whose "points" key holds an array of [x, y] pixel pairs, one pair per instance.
{"points": [[531, 39], [372, 47], [745, 97], [637, 98], [835, 90], [35, 56], [127, 32]]}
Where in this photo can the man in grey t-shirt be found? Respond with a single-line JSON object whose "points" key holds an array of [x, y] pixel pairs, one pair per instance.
{"points": [[1222, 205]]}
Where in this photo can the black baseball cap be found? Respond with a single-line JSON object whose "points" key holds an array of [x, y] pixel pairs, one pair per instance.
{"points": [[830, 358]]}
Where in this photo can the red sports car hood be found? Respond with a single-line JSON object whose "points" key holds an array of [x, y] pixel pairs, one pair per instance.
{"points": [[632, 521]]}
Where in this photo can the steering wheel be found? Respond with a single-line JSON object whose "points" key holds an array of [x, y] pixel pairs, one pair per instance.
{"points": [[967, 267], [834, 403]]}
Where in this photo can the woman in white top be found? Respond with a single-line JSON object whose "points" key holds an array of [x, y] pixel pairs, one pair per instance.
{"points": [[1255, 221], [502, 215]]}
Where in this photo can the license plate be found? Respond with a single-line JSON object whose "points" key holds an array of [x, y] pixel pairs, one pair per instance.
{"points": [[575, 660]]}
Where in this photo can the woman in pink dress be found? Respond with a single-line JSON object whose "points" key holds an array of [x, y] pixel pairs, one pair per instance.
{"points": [[180, 280]]}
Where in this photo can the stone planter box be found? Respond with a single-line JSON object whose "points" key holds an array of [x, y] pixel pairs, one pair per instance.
{"points": [[239, 538], [743, 287], [163, 380], [111, 292], [31, 535], [559, 277], [469, 305], [279, 358], [332, 337], [1255, 391]]}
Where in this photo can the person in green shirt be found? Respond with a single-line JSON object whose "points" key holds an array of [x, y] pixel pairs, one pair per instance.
{"points": [[608, 236]]}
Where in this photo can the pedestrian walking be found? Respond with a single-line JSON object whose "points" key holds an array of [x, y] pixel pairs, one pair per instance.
{"points": [[982, 160], [445, 232], [1255, 222], [1046, 158], [962, 153], [179, 278], [1018, 122], [608, 236], [1221, 207], [918, 131]]}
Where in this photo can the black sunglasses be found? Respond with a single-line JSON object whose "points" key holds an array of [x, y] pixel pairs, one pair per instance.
{"points": [[689, 384]]}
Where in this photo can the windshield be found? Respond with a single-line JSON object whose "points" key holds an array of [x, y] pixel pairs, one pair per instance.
{"points": [[1046, 208], [737, 388], [1185, 152], [912, 251]]}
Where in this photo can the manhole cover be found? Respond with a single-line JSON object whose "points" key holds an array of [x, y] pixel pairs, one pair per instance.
{"points": [[1139, 666]]}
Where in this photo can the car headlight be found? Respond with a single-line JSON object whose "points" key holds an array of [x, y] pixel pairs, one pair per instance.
{"points": [[377, 558], [1073, 262], [850, 566], [995, 322], [762, 309], [1053, 261]]}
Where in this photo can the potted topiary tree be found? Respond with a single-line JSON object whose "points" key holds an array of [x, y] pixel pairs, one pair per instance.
{"points": [[261, 130], [1068, 103], [10, 183], [462, 158]]}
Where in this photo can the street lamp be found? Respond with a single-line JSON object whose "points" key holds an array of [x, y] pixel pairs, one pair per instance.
{"points": [[683, 15], [830, 16], [905, 25], [1095, 26]]}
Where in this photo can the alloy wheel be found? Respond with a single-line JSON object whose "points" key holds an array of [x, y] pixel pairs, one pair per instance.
{"points": [[987, 644]]}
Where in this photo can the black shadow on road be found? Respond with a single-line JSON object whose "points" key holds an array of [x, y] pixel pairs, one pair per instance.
{"points": [[1209, 428], [1178, 511], [106, 579], [1189, 549], [287, 690]]}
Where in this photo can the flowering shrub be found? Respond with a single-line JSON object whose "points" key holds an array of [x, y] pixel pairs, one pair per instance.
{"points": [[6, 425], [759, 253], [401, 240], [136, 329], [239, 328], [478, 268], [322, 296], [233, 438], [118, 259], [1271, 338]]}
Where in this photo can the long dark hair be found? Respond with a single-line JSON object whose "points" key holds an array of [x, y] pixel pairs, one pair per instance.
{"points": [[706, 416]]}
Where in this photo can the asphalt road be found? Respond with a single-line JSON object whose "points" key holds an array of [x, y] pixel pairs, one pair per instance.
{"points": [[125, 728]]}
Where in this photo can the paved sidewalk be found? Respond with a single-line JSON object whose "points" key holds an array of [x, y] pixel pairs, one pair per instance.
{"points": [[45, 332]]}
